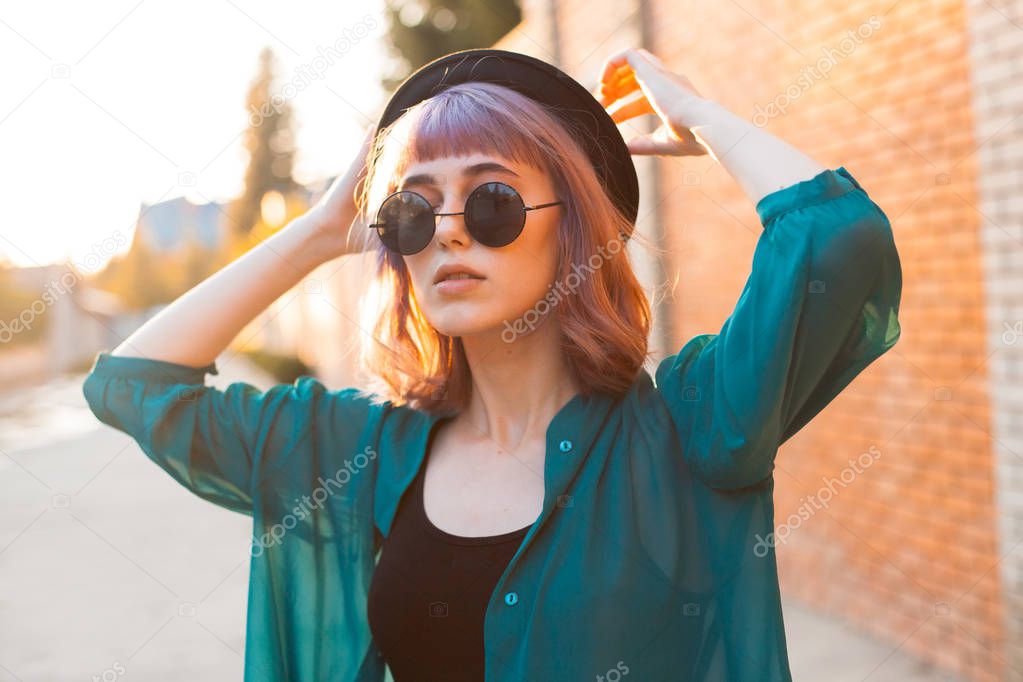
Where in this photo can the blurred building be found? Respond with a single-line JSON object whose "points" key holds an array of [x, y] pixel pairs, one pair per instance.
{"points": [[170, 225]]}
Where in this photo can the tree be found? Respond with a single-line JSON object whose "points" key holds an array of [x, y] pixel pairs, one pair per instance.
{"points": [[143, 277], [270, 143], [422, 30]]}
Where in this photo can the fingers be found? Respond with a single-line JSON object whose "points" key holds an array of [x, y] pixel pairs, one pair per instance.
{"points": [[616, 78], [636, 107], [623, 71], [612, 64], [660, 144], [608, 92], [642, 145]]}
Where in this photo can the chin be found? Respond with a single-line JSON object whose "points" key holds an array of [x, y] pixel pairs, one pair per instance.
{"points": [[456, 320]]}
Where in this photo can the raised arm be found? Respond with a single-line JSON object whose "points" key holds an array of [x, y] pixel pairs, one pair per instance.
{"points": [[821, 301], [820, 304], [221, 444]]}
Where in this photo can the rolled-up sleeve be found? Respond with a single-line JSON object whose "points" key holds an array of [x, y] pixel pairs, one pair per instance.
{"points": [[212, 441], [820, 304]]}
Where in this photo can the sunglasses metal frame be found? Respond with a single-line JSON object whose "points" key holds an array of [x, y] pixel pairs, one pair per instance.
{"points": [[525, 207]]}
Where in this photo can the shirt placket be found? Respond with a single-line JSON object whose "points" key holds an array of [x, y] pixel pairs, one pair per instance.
{"points": [[570, 436]]}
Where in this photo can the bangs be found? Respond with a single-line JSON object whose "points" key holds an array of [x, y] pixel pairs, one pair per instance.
{"points": [[462, 121]]}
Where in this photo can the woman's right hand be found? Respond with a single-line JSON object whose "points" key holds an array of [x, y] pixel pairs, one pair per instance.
{"points": [[336, 214]]}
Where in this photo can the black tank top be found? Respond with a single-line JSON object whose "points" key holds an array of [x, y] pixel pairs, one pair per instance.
{"points": [[429, 593]]}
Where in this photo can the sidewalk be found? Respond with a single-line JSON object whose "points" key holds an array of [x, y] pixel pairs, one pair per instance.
{"points": [[113, 570], [823, 648]]}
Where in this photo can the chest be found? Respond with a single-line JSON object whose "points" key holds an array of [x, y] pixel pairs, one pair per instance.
{"points": [[473, 487]]}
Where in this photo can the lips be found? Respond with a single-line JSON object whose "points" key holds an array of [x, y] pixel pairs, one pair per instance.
{"points": [[459, 275], [455, 272]]}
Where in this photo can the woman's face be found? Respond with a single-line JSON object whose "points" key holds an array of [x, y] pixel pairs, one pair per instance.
{"points": [[514, 278]]}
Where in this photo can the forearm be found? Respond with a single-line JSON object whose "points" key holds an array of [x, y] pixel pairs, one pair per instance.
{"points": [[760, 162], [196, 327]]}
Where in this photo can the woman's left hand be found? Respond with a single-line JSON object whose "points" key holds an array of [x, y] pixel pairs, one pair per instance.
{"points": [[668, 95]]}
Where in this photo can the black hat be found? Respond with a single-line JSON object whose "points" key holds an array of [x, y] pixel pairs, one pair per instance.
{"points": [[545, 83]]}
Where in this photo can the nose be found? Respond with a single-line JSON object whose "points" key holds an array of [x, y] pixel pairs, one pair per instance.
{"points": [[450, 229]]}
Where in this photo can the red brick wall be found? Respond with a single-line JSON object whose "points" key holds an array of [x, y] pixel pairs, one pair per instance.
{"points": [[908, 549]]}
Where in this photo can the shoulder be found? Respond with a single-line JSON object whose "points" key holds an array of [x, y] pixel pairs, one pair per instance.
{"points": [[307, 411], [315, 430], [351, 402], [361, 416], [645, 406]]}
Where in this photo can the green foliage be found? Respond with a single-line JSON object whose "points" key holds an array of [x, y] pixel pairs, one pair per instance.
{"points": [[419, 31], [270, 143]]}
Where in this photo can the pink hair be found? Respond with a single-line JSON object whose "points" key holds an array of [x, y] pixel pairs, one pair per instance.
{"points": [[604, 324]]}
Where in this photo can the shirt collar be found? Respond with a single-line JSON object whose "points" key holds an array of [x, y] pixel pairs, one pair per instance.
{"points": [[576, 425]]}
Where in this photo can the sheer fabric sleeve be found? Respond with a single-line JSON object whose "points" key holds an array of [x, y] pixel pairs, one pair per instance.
{"points": [[820, 304], [218, 443]]}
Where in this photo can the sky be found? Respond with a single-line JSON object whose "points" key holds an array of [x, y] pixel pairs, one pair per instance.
{"points": [[110, 104]]}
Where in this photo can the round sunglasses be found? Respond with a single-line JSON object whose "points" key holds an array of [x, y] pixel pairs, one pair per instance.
{"points": [[494, 215]]}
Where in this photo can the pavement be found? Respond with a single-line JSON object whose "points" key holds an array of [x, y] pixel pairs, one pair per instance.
{"points": [[824, 648]]}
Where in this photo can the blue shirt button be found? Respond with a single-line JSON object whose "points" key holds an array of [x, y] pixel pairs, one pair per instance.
{"points": [[565, 445], [511, 598]]}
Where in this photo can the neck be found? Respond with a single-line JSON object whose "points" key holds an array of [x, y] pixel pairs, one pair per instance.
{"points": [[517, 387]]}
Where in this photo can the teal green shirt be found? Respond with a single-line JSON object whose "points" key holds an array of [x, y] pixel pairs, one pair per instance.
{"points": [[653, 555]]}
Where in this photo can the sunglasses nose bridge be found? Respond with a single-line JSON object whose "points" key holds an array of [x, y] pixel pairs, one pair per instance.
{"points": [[453, 228]]}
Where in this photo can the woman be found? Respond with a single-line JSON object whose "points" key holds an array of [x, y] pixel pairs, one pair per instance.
{"points": [[520, 499]]}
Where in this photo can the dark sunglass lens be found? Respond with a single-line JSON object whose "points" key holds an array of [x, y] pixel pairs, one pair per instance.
{"points": [[494, 214], [407, 223]]}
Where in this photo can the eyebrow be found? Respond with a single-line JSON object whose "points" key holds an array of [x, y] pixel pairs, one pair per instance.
{"points": [[467, 172]]}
